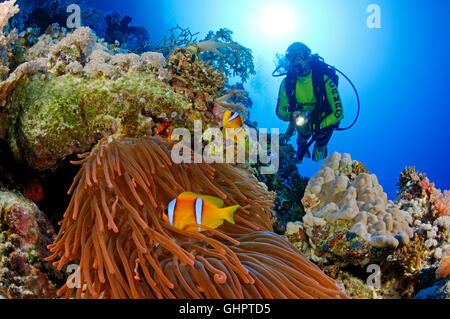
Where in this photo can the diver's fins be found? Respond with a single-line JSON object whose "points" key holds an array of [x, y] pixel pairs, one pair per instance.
{"points": [[320, 153]]}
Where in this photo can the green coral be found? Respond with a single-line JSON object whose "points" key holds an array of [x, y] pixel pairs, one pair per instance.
{"points": [[60, 115]]}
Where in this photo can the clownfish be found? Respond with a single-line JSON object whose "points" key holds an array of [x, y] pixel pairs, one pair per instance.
{"points": [[233, 127], [190, 208]]}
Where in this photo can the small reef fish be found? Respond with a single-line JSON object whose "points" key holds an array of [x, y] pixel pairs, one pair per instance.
{"points": [[190, 208], [34, 191], [234, 123], [165, 129]]}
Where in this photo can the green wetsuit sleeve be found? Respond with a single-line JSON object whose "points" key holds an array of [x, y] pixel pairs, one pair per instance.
{"points": [[282, 104], [337, 111]]}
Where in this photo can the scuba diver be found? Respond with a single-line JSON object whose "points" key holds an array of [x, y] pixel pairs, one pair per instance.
{"points": [[309, 99]]}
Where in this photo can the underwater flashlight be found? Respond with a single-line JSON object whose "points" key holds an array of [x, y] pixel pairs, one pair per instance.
{"points": [[300, 120]]}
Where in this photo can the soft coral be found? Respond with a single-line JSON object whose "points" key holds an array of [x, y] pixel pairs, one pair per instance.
{"points": [[444, 266], [442, 203]]}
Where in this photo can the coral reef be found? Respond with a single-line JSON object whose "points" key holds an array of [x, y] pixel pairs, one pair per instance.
{"points": [[136, 39], [192, 74], [24, 234], [335, 237], [114, 226], [7, 42], [424, 203], [351, 222], [288, 185], [440, 290], [89, 93], [176, 37], [356, 287], [226, 55]]}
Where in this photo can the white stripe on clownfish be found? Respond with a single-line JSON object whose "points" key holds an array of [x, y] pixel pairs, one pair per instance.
{"points": [[235, 115], [240, 129], [171, 210], [198, 211]]}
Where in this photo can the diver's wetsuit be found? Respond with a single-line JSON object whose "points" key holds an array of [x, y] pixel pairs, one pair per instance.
{"points": [[305, 97]]}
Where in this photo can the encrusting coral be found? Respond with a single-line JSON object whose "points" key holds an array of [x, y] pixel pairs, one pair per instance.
{"points": [[25, 232], [113, 226], [69, 96]]}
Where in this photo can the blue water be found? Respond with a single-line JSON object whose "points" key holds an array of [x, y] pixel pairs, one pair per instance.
{"points": [[401, 70]]}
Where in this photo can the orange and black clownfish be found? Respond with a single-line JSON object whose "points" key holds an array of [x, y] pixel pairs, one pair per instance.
{"points": [[233, 127], [190, 208]]}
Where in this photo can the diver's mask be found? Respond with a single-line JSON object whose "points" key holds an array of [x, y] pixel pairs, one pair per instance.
{"points": [[297, 56], [292, 60]]}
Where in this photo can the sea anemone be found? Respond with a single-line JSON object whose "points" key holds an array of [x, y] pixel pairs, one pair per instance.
{"points": [[113, 228]]}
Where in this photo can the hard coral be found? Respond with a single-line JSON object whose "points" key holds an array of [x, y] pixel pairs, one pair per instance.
{"points": [[411, 256], [114, 226], [357, 168], [356, 214], [193, 74]]}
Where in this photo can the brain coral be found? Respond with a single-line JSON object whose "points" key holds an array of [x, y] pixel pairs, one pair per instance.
{"points": [[358, 210]]}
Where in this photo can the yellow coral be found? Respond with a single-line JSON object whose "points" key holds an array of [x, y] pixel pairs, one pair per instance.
{"points": [[412, 254], [358, 167]]}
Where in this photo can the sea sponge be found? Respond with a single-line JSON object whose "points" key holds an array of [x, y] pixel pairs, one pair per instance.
{"points": [[359, 207]]}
